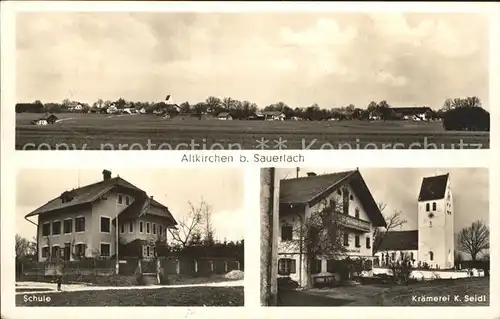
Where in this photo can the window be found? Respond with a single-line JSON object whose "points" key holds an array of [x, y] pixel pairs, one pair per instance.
{"points": [[131, 227], [368, 243], [434, 206], [127, 200], [351, 197], [68, 226], [393, 256], [55, 252], [333, 202], [160, 230], [120, 199], [141, 227], [154, 229], [45, 251], [56, 228], [286, 233], [122, 228], [427, 207], [356, 213], [346, 239], [46, 229], [80, 224], [147, 228], [315, 266], [105, 250], [411, 256], [67, 251], [339, 192], [286, 266], [80, 250], [431, 256], [105, 225], [148, 251], [356, 241]]}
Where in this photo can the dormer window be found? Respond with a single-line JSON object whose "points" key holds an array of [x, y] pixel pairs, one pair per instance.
{"points": [[67, 197]]}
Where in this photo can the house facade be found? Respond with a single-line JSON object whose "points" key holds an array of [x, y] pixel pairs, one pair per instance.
{"points": [[82, 222], [301, 198], [225, 116], [273, 115], [432, 244], [412, 113]]}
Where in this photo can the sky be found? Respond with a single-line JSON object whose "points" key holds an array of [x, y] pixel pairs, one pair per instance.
{"points": [[220, 188], [333, 59], [398, 188]]}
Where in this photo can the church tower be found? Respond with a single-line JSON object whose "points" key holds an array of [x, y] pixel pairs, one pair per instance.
{"points": [[436, 243]]}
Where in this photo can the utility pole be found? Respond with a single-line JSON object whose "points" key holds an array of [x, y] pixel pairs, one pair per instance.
{"points": [[269, 240]]}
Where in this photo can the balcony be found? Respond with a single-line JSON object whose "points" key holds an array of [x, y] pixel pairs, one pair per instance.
{"points": [[354, 223]]}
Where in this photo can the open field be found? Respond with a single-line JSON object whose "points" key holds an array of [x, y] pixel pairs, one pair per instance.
{"points": [[188, 296], [458, 291], [149, 132]]}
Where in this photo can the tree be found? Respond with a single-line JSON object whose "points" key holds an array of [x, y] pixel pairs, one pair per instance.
{"points": [[25, 248], [208, 231], [228, 103], [188, 226], [474, 239], [213, 104], [185, 107], [392, 221], [320, 235], [447, 105]]}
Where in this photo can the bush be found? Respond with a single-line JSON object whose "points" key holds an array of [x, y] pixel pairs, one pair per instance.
{"points": [[467, 119], [401, 272]]}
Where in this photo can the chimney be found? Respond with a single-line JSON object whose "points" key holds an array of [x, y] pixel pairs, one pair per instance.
{"points": [[310, 174], [106, 175]]}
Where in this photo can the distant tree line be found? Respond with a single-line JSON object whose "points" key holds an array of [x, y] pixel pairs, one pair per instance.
{"points": [[457, 114]]}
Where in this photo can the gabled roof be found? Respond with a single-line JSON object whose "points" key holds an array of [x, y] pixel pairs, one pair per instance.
{"points": [[90, 193], [398, 240], [223, 114], [272, 113], [410, 109], [143, 205], [312, 189], [433, 188]]}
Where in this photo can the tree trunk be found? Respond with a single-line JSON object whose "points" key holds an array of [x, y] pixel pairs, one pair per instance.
{"points": [[268, 245]]}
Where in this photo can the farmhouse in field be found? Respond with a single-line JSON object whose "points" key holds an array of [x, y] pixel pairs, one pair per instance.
{"points": [[413, 113], [224, 116], [50, 119], [302, 197], [82, 222], [433, 242], [273, 115]]}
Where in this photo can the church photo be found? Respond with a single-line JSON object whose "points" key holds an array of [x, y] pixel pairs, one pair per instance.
{"points": [[370, 236]]}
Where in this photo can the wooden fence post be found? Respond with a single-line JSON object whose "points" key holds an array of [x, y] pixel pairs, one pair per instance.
{"points": [[178, 267], [225, 266], [195, 266]]}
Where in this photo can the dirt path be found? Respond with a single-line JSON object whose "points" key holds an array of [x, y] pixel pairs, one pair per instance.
{"points": [[25, 286]]}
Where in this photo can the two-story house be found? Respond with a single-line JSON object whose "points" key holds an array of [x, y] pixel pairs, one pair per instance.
{"points": [[82, 222], [302, 197]]}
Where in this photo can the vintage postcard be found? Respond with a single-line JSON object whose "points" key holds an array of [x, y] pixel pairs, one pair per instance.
{"points": [[129, 237], [375, 237], [286, 81]]}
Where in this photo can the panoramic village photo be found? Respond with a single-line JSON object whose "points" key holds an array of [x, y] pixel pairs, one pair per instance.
{"points": [[125, 237], [204, 81], [375, 237]]}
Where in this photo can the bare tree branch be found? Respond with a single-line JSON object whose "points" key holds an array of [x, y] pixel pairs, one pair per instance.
{"points": [[474, 239]]}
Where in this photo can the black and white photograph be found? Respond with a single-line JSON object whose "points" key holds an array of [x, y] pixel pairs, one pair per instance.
{"points": [[375, 237], [251, 80], [129, 237]]}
